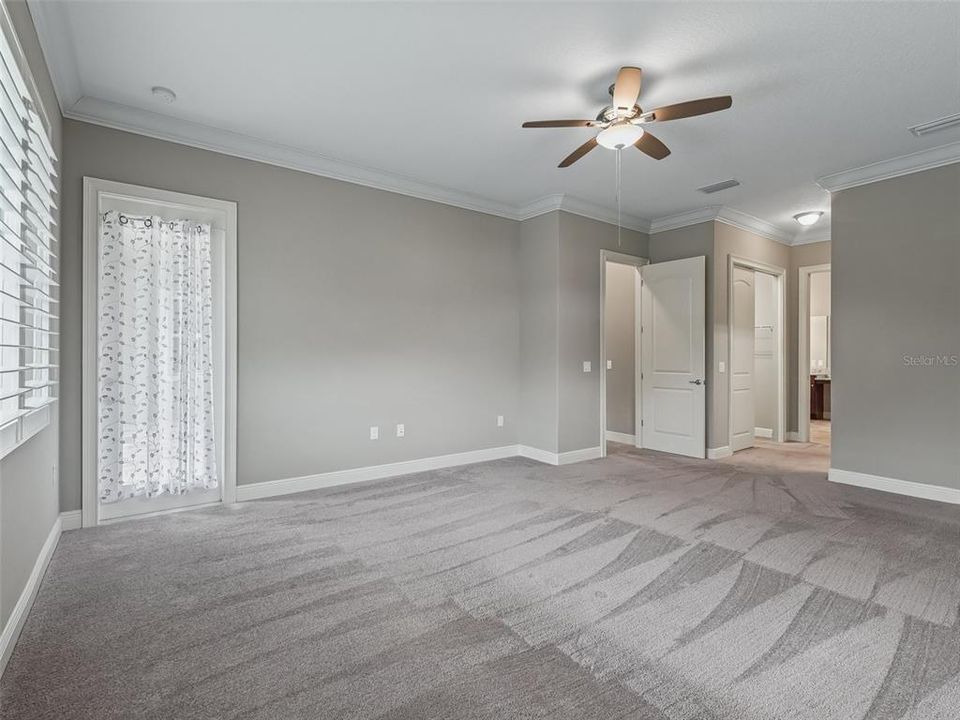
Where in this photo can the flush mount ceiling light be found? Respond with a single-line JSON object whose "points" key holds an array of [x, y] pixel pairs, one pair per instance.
{"points": [[808, 218], [620, 122], [164, 95]]}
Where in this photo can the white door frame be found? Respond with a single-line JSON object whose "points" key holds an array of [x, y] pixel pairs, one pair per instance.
{"points": [[780, 275], [95, 190], [635, 261], [803, 349]]}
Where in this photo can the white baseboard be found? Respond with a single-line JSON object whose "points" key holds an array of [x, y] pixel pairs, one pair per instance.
{"points": [[719, 453], [575, 456], [544, 456], [894, 485], [763, 432], [271, 488], [564, 458], [620, 437], [71, 520], [11, 632]]}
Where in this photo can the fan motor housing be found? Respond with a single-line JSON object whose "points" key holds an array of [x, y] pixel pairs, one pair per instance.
{"points": [[609, 114]]}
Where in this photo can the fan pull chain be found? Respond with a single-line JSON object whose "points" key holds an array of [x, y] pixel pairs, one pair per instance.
{"points": [[619, 150]]}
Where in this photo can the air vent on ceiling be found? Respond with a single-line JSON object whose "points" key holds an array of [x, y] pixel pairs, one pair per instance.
{"points": [[936, 125], [717, 187]]}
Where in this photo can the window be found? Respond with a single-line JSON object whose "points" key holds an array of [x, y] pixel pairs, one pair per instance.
{"points": [[29, 305], [108, 206]]}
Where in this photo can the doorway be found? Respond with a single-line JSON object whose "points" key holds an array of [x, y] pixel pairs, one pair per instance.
{"points": [[815, 351], [756, 309], [619, 348], [667, 331], [159, 351]]}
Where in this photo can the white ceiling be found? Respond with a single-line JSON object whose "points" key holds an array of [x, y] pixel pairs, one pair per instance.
{"points": [[436, 92]]}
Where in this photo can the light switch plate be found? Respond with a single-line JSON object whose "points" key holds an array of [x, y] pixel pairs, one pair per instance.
{"points": [[499, 420], [723, 366], [587, 366], [374, 432], [609, 364], [401, 430]]}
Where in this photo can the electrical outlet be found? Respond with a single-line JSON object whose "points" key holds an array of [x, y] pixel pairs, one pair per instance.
{"points": [[609, 364], [400, 430], [587, 366], [723, 366], [374, 432], [499, 420]]}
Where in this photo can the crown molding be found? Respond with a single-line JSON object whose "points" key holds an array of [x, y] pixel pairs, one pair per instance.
{"points": [[544, 205], [894, 167], [53, 32], [808, 237], [727, 215], [685, 219], [745, 221], [206, 137], [576, 206]]}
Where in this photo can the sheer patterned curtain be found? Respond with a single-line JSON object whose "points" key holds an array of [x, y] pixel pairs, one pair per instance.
{"points": [[155, 374]]}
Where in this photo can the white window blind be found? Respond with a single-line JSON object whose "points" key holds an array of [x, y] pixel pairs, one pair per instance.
{"points": [[29, 292]]}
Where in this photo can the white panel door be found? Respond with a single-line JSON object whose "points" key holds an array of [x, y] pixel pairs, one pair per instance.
{"points": [[742, 338], [673, 341]]}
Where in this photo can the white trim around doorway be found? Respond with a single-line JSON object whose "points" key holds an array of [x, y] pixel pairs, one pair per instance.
{"points": [[803, 349], [778, 434], [224, 215], [637, 262]]}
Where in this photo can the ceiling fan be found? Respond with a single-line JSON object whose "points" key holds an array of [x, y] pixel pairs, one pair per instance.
{"points": [[621, 123]]}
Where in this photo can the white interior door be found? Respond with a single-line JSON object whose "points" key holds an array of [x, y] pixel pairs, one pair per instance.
{"points": [[742, 338], [673, 349]]}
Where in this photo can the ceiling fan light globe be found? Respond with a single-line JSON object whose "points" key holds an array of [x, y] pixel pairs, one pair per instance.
{"points": [[619, 135]]}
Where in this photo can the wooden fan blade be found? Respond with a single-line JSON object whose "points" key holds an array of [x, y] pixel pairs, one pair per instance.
{"points": [[578, 153], [626, 89], [558, 123], [652, 146], [691, 108]]}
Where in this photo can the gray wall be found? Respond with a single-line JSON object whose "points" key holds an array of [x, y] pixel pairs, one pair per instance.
{"points": [[620, 337], [28, 492], [539, 331], [581, 241], [896, 296], [357, 307]]}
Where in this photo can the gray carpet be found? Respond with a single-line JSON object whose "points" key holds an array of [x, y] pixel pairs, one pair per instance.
{"points": [[640, 586]]}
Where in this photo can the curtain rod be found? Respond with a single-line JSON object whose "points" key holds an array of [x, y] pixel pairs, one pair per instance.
{"points": [[148, 221]]}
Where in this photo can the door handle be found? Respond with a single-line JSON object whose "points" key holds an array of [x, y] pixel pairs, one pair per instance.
{"points": [[698, 381]]}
